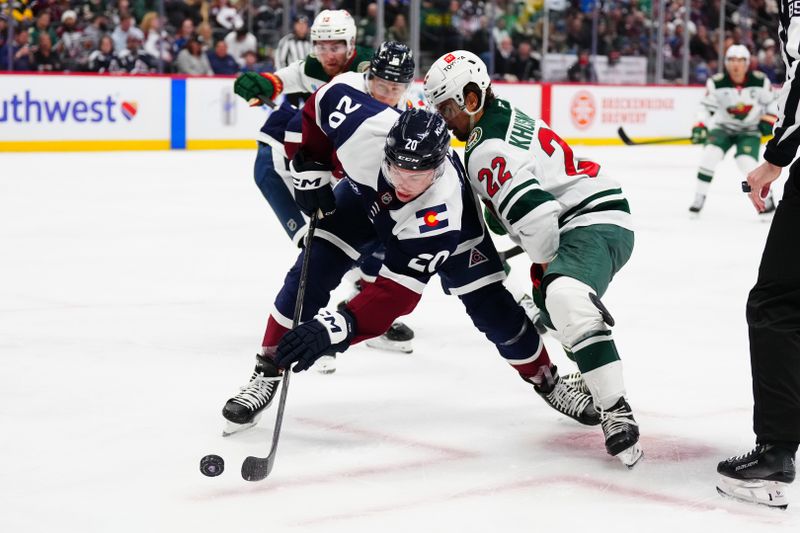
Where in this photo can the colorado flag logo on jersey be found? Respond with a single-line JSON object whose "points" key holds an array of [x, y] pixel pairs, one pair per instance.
{"points": [[432, 218]]}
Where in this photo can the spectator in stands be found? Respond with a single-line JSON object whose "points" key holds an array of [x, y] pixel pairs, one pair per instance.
{"points": [[101, 58], [185, 32], [192, 60], [21, 53], [770, 66], [398, 31], [367, 27], [252, 64], [123, 31], [701, 47], [42, 26], [206, 35], [221, 61], [524, 64], [3, 30], [582, 70], [479, 42], [269, 16], [225, 15], [93, 32], [503, 58], [178, 11], [133, 59], [156, 41], [70, 43], [239, 42], [295, 46], [45, 59]]}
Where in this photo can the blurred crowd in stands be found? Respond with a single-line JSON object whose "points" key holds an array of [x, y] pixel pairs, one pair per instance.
{"points": [[207, 37]]}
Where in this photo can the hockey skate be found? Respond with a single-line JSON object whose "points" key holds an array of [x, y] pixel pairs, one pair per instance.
{"points": [[396, 339], [576, 381], [622, 433], [243, 411], [697, 205], [759, 476], [566, 399]]}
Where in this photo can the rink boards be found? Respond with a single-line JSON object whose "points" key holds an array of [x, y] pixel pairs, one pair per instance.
{"points": [[83, 112]]}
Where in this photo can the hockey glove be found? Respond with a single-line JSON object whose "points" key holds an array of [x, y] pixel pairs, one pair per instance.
{"points": [[312, 186], [766, 124], [699, 133], [329, 332], [252, 85]]}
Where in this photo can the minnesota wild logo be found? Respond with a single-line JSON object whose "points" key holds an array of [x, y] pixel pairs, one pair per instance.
{"points": [[739, 111], [473, 138]]}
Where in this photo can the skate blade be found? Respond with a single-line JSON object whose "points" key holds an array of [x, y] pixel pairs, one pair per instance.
{"points": [[630, 457], [770, 494], [326, 364], [379, 343], [232, 428]]}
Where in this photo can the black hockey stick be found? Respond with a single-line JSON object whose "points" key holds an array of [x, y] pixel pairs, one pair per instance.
{"points": [[630, 142], [261, 99], [511, 252], [257, 468]]}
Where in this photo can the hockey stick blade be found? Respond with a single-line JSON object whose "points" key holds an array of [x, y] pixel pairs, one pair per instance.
{"points": [[258, 468], [511, 252], [630, 142]]}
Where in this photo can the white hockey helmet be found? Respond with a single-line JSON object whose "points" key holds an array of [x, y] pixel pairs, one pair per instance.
{"points": [[452, 72], [334, 25], [738, 51]]}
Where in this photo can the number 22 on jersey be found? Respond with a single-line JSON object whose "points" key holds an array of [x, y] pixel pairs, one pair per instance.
{"points": [[494, 177]]}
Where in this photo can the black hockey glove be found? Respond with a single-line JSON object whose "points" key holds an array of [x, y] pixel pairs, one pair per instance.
{"points": [[312, 186], [328, 333]]}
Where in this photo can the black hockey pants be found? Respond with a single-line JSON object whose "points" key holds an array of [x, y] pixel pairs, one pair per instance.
{"points": [[773, 317]]}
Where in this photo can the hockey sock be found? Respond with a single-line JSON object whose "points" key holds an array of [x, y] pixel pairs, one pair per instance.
{"points": [[703, 183], [531, 369], [273, 335]]}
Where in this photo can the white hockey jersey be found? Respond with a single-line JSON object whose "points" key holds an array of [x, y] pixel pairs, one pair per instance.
{"points": [[534, 185]]}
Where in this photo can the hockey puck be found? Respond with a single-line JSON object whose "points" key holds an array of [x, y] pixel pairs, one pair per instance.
{"points": [[212, 465]]}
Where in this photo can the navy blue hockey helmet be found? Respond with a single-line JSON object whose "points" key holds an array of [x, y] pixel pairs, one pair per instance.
{"points": [[419, 140], [393, 61]]}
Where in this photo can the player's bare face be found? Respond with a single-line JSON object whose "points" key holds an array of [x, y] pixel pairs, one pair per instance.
{"points": [[386, 92], [332, 55], [456, 119], [737, 68], [408, 184]]}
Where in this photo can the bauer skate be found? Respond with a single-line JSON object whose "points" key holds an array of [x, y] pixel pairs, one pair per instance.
{"points": [[243, 411], [759, 476], [566, 399], [622, 433]]}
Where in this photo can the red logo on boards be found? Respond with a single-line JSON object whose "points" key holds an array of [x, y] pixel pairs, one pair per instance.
{"points": [[582, 109]]}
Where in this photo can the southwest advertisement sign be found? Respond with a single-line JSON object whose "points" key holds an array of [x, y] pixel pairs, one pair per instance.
{"points": [[80, 112]]}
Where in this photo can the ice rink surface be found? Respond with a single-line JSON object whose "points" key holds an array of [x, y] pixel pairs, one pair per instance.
{"points": [[134, 289]]}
